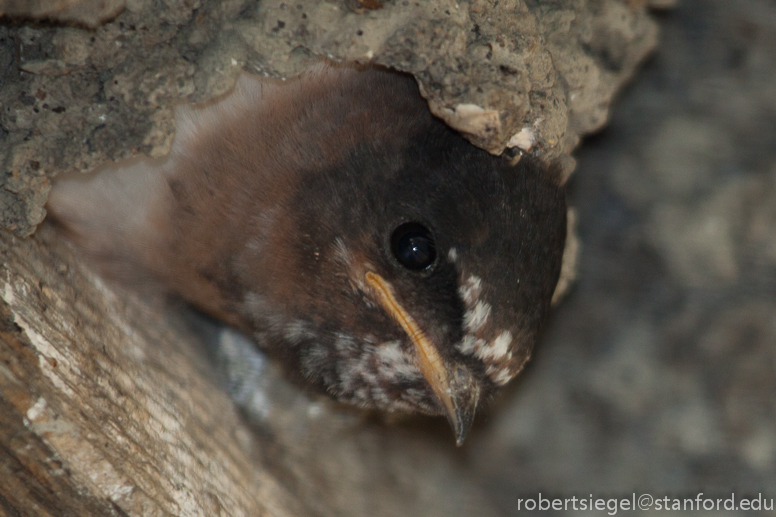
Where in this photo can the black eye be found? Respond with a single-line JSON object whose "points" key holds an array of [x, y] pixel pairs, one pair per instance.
{"points": [[413, 246]]}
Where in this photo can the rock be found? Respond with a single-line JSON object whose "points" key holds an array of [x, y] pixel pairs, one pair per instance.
{"points": [[526, 74]]}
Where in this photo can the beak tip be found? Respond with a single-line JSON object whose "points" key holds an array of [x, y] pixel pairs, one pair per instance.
{"points": [[461, 422], [464, 400]]}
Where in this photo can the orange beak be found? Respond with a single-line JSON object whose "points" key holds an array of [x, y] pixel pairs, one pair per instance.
{"points": [[453, 384]]}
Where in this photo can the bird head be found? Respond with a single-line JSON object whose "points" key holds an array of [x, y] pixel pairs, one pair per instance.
{"points": [[416, 278]]}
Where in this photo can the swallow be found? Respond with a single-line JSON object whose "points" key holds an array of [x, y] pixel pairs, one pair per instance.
{"points": [[374, 252]]}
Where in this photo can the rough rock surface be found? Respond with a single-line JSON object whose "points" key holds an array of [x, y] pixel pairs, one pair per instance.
{"points": [[520, 73], [88, 13]]}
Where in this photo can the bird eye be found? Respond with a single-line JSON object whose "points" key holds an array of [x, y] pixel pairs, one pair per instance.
{"points": [[413, 246]]}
